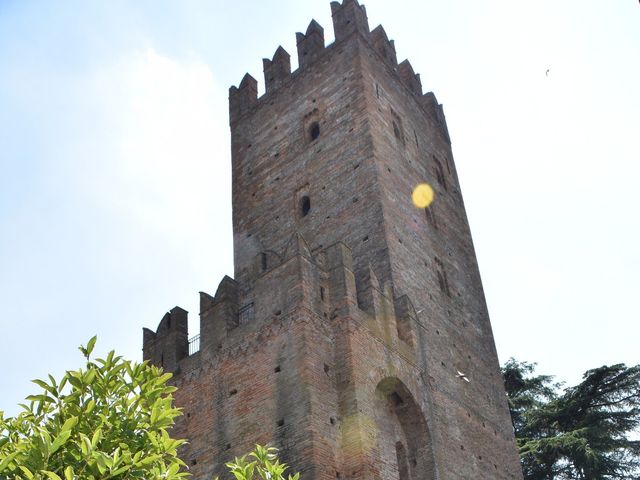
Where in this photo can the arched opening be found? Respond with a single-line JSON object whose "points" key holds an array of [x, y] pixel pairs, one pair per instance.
{"points": [[404, 449]]}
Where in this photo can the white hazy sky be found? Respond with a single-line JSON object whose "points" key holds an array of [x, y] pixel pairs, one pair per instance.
{"points": [[115, 166]]}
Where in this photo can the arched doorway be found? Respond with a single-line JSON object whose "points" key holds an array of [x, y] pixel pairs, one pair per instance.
{"points": [[403, 439]]}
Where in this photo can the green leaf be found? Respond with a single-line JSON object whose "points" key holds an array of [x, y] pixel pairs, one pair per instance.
{"points": [[68, 473], [69, 424], [59, 441], [26, 472], [90, 344], [51, 475], [97, 436]]}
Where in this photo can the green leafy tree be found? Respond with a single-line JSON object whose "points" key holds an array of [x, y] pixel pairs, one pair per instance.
{"points": [[582, 432], [261, 464], [109, 420]]}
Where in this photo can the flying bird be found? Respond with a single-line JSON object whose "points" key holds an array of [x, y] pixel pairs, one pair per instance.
{"points": [[462, 376]]}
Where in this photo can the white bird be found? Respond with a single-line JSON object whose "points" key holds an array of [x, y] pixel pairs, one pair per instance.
{"points": [[462, 376]]}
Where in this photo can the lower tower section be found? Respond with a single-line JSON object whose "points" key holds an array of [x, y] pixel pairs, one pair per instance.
{"points": [[334, 382]]}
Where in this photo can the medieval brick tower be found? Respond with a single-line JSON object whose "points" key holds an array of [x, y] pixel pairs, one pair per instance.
{"points": [[355, 335]]}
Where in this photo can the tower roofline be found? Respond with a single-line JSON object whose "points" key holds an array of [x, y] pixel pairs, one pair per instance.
{"points": [[349, 19]]}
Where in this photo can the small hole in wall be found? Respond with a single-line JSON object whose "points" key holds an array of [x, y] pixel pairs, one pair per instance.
{"points": [[338, 475], [188, 415], [277, 313], [194, 462], [438, 332], [355, 200], [280, 422], [479, 457], [442, 363], [326, 369], [313, 101], [249, 146], [275, 128], [495, 466], [461, 447], [356, 166], [328, 217], [277, 154], [351, 130], [332, 421], [468, 415], [277, 369], [321, 293], [263, 261], [365, 239], [248, 235], [228, 446], [233, 392]]}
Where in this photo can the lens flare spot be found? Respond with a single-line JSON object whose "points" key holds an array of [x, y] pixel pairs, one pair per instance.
{"points": [[422, 195]]}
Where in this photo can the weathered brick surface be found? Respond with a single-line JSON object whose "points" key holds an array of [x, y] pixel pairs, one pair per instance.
{"points": [[352, 312]]}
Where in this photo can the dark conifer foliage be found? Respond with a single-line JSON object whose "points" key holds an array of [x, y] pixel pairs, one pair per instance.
{"points": [[583, 432]]}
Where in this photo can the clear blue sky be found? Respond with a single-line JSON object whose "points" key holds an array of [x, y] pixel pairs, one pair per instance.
{"points": [[115, 164]]}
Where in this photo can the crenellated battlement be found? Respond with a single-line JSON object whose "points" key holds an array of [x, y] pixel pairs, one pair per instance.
{"points": [[349, 18], [385, 47], [277, 70], [310, 43], [322, 282], [169, 344]]}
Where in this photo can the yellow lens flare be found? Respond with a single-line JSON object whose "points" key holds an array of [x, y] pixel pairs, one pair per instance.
{"points": [[422, 195]]}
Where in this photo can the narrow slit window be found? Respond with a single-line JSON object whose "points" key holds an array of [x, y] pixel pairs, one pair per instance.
{"points": [[396, 123], [305, 205], [440, 173], [263, 261], [443, 282], [314, 131], [431, 219]]}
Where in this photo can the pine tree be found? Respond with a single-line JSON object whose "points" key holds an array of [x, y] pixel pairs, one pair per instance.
{"points": [[582, 432]]}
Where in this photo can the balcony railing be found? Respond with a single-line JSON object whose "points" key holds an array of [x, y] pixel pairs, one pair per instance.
{"points": [[194, 344]]}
